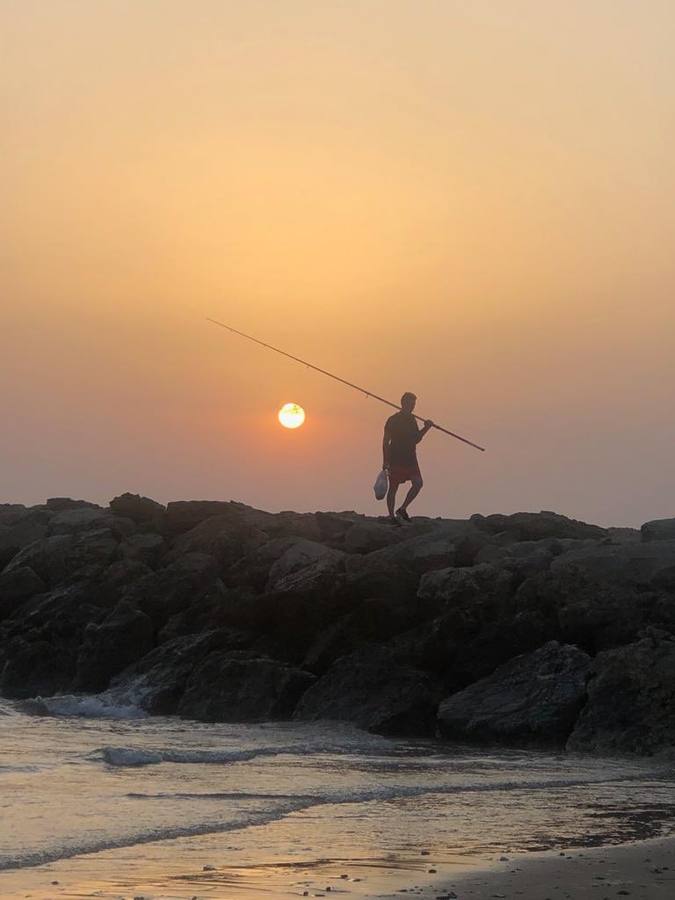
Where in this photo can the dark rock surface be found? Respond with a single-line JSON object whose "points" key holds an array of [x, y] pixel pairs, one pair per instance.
{"points": [[631, 699], [534, 698], [216, 610], [372, 690]]}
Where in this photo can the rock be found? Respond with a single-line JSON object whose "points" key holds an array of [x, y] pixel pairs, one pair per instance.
{"points": [[374, 619], [147, 548], [137, 508], [11, 513], [72, 521], [253, 569], [124, 636], [532, 699], [16, 586], [172, 589], [157, 681], [375, 692], [35, 668], [21, 533], [184, 515], [364, 537], [525, 526], [226, 538], [59, 504], [231, 687], [631, 699], [658, 530], [299, 556], [61, 556]]}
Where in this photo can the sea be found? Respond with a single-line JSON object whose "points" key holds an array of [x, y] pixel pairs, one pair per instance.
{"points": [[99, 800]]}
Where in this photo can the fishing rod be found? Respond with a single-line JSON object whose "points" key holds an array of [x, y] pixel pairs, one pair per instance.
{"points": [[337, 378]]}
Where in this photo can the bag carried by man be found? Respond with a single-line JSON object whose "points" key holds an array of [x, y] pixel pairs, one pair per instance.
{"points": [[381, 485]]}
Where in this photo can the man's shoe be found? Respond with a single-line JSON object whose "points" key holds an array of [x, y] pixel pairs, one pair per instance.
{"points": [[403, 514], [392, 520]]}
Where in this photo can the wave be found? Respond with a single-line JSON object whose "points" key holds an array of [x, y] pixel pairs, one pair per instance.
{"points": [[134, 756], [287, 807], [90, 706]]}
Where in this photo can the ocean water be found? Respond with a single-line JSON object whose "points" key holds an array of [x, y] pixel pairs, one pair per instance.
{"points": [[110, 803]]}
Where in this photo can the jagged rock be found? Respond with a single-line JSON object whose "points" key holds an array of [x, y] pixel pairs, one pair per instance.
{"points": [[526, 526], [237, 687], [172, 589], [28, 528], [147, 548], [658, 530], [364, 537], [62, 555], [299, 557], [137, 508], [59, 504], [375, 692], [253, 569], [16, 586], [157, 681], [74, 521], [184, 515], [121, 638], [631, 699], [532, 699], [11, 513], [375, 619], [35, 668], [226, 538]]}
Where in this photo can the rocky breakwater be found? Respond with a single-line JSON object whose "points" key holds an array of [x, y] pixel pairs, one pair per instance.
{"points": [[527, 629]]}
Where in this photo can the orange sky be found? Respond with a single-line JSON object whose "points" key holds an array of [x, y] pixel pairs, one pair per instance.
{"points": [[474, 201]]}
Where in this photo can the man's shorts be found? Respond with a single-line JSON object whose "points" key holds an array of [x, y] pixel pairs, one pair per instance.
{"points": [[399, 474]]}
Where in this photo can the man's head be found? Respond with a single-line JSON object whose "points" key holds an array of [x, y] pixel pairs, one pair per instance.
{"points": [[408, 401]]}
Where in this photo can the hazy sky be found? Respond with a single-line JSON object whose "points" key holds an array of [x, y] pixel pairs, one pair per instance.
{"points": [[474, 201]]}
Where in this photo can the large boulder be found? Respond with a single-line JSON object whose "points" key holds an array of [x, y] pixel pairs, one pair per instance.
{"points": [[59, 504], [602, 595], [89, 518], [528, 526], [301, 555], [224, 537], [20, 531], [658, 530], [631, 699], [532, 699], [156, 681], [61, 556], [376, 692], [37, 668], [240, 687], [145, 547], [172, 589], [17, 585], [124, 636], [138, 509], [184, 515]]}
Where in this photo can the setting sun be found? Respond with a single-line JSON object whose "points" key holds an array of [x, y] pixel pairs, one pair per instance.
{"points": [[291, 415]]}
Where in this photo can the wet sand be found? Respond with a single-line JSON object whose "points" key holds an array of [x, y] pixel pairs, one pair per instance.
{"points": [[640, 871]]}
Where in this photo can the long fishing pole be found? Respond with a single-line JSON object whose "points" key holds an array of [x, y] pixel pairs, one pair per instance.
{"points": [[336, 378]]}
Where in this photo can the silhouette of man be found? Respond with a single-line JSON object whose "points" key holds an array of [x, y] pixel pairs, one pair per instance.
{"points": [[399, 452]]}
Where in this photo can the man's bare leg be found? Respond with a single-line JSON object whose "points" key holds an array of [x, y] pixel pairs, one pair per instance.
{"points": [[391, 499], [416, 487]]}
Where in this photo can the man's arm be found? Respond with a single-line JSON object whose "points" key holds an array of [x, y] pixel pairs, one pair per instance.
{"points": [[386, 441], [427, 425]]}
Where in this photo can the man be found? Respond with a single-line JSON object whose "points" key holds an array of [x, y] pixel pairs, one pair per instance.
{"points": [[399, 451]]}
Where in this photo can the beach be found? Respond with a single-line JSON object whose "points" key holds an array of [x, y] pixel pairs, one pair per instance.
{"points": [[104, 802]]}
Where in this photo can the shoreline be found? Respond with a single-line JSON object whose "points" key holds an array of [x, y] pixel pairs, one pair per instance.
{"points": [[642, 870]]}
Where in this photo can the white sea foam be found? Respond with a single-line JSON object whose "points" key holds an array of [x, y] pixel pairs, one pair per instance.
{"points": [[91, 706]]}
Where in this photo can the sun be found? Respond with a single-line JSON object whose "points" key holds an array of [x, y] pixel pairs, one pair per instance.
{"points": [[291, 415]]}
